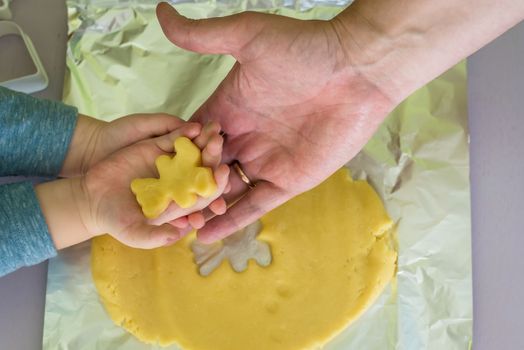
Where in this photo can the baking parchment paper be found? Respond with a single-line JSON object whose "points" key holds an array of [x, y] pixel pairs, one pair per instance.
{"points": [[119, 63]]}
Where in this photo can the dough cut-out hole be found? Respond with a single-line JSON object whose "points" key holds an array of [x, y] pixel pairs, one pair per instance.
{"points": [[238, 249], [16, 60]]}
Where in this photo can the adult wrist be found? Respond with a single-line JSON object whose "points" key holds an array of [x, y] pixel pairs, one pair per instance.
{"points": [[400, 46], [370, 54]]}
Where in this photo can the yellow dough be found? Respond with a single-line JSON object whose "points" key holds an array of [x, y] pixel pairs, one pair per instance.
{"points": [[181, 179], [331, 259]]}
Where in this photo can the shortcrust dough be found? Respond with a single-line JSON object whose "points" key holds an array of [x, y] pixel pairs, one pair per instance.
{"points": [[331, 259]]}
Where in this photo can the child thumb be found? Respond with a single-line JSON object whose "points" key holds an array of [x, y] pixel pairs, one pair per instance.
{"points": [[151, 236]]}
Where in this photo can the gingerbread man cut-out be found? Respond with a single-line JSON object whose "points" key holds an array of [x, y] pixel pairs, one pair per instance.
{"points": [[238, 249], [181, 179]]}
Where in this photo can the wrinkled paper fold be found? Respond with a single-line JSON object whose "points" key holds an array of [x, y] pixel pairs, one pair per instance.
{"points": [[119, 63]]}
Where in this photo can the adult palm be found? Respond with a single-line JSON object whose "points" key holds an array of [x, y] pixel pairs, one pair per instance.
{"points": [[294, 107]]}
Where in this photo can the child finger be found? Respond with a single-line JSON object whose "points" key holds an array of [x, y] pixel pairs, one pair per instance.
{"points": [[196, 220], [149, 236], [181, 222], [210, 129], [212, 153], [166, 142], [218, 206], [222, 177]]}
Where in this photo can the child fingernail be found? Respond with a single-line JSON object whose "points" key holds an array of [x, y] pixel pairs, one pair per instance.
{"points": [[171, 240]]}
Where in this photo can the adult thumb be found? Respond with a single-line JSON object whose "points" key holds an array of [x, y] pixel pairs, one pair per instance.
{"points": [[221, 35]]}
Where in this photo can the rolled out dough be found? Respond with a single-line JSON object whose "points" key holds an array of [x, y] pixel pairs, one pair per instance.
{"points": [[331, 259]]}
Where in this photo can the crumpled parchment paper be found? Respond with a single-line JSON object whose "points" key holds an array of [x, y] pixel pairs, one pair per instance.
{"points": [[119, 62]]}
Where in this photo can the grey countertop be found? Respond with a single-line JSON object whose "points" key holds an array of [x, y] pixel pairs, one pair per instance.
{"points": [[496, 120], [496, 101]]}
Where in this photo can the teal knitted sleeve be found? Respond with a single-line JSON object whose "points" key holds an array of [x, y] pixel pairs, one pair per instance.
{"points": [[34, 139], [34, 134], [24, 237]]}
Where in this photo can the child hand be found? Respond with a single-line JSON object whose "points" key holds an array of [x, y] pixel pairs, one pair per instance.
{"points": [[210, 142], [112, 208], [93, 139]]}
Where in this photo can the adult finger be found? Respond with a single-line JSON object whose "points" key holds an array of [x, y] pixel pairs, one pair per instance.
{"points": [[255, 203], [235, 189]]}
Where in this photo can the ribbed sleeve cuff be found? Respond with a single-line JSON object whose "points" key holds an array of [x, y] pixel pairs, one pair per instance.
{"points": [[24, 236], [35, 134]]}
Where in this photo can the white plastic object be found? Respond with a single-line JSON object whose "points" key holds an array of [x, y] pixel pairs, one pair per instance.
{"points": [[29, 83], [5, 12]]}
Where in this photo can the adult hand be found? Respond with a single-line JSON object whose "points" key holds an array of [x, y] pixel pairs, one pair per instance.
{"points": [[295, 107], [94, 140]]}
